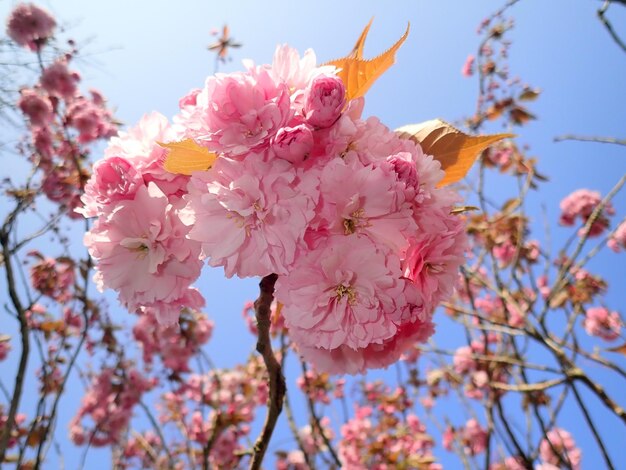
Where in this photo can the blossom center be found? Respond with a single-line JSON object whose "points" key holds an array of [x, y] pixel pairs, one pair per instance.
{"points": [[356, 220], [348, 291]]}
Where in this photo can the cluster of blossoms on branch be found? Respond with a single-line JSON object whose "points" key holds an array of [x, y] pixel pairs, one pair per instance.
{"points": [[62, 120], [347, 213]]}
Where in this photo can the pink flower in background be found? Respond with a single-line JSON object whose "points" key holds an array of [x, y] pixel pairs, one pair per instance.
{"points": [[474, 438], [141, 250], [468, 66], [563, 442], [602, 323], [617, 241], [249, 216], [93, 121], [238, 113], [5, 347], [30, 26], [109, 403], [59, 81], [581, 204], [36, 106], [324, 100], [53, 277]]}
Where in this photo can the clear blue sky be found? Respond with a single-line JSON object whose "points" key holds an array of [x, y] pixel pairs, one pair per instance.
{"points": [[146, 54]]}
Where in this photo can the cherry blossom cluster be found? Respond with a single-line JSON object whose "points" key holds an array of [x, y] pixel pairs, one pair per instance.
{"points": [[471, 437], [138, 238], [580, 205], [61, 119], [384, 434], [344, 211], [174, 345], [109, 402]]}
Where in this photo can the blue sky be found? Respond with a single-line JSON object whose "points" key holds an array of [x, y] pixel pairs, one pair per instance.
{"points": [[144, 55]]}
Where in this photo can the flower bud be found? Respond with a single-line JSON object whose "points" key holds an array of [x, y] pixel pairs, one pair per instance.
{"points": [[293, 143], [324, 99]]}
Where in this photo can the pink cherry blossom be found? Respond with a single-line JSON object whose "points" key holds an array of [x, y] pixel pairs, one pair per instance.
{"points": [[113, 179], [435, 254], [30, 26], [581, 204], [239, 112], [93, 121], [563, 442], [324, 100], [357, 199], [141, 250], [617, 241], [602, 323], [468, 66], [293, 143], [249, 216], [59, 81], [36, 105], [346, 293], [287, 67], [5, 347]]}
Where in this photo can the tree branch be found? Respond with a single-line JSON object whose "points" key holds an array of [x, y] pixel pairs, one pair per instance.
{"points": [[276, 380]]}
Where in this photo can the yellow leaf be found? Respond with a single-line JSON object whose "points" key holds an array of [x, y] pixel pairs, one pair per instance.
{"points": [[186, 156], [462, 209], [359, 75], [455, 150]]}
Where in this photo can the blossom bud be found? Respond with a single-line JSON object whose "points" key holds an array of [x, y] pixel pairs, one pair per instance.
{"points": [[404, 168], [293, 143], [324, 99]]}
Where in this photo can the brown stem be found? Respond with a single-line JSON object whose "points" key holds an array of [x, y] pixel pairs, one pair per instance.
{"points": [[276, 380], [24, 333]]}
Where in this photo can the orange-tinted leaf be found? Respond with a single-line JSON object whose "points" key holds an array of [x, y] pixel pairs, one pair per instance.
{"points": [[51, 325], [528, 94], [520, 116], [186, 156], [357, 51], [455, 150], [359, 75], [619, 349], [276, 316]]}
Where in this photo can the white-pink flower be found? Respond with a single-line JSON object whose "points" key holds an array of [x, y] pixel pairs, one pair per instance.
{"points": [[141, 250], [250, 216]]}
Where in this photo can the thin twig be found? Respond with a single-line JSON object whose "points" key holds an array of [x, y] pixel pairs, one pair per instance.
{"points": [[582, 138]]}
